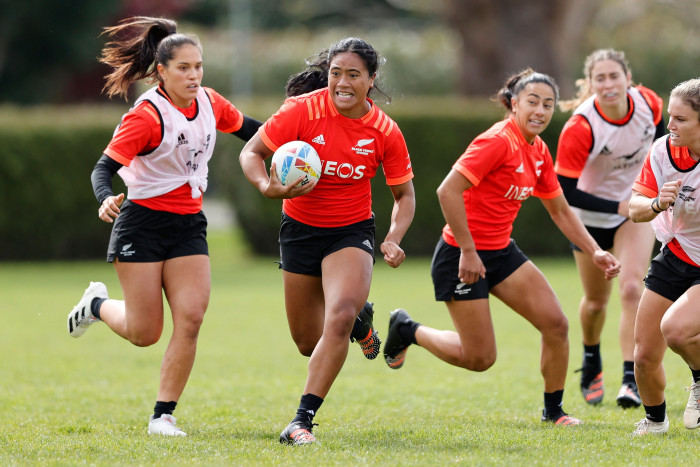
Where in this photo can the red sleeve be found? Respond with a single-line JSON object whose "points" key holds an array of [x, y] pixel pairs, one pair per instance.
{"points": [[481, 157], [655, 102], [284, 125], [575, 143], [138, 132], [228, 117], [646, 183], [548, 186], [396, 161]]}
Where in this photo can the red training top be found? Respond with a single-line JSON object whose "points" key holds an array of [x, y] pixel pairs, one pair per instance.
{"points": [[504, 170], [350, 150]]}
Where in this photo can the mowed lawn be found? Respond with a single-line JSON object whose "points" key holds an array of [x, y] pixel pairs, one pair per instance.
{"points": [[66, 401]]}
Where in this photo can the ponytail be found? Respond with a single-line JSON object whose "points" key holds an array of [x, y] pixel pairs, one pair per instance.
{"points": [[135, 57]]}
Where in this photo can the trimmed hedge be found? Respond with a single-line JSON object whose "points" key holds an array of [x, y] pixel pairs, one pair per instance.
{"points": [[49, 211]]}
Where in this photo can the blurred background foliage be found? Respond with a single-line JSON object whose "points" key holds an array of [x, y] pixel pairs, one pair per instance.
{"points": [[444, 58], [48, 49]]}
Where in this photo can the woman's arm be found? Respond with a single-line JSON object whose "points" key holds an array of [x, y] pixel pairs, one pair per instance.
{"points": [[451, 196], [571, 226], [252, 159], [644, 209], [401, 218], [101, 179]]}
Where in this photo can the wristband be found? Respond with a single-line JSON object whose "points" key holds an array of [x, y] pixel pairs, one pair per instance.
{"points": [[656, 201]]}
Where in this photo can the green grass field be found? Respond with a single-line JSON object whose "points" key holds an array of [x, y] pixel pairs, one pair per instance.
{"points": [[65, 401]]}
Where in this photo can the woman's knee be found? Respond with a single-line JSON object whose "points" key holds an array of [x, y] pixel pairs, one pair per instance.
{"points": [[595, 305], [341, 319], [646, 359], [305, 345], [145, 337], [557, 328], [478, 362], [676, 336], [631, 290]]}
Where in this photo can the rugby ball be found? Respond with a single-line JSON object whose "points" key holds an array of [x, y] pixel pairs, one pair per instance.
{"points": [[296, 159]]}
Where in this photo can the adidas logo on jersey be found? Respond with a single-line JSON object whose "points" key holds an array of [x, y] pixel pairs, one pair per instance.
{"points": [[181, 139], [319, 140], [520, 169]]}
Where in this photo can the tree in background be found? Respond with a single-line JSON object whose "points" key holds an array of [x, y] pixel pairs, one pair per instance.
{"points": [[49, 48], [500, 37]]}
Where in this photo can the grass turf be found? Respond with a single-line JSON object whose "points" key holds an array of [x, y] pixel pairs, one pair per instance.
{"points": [[67, 401]]}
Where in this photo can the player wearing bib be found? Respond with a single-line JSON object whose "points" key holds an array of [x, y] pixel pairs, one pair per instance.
{"points": [[600, 153], [327, 229], [475, 257], [158, 243], [665, 194]]}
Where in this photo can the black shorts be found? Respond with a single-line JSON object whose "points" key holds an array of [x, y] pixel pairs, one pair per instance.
{"points": [[670, 276], [142, 235], [605, 238], [444, 269], [303, 247]]}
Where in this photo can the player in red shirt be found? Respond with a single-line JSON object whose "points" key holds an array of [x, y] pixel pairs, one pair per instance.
{"points": [[601, 151], [475, 256], [327, 231], [158, 242], [665, 194]]}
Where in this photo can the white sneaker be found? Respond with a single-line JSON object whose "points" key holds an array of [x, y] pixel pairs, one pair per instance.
{"points": [[165, 425], [646, 427], [80, 317], [691, 416]]}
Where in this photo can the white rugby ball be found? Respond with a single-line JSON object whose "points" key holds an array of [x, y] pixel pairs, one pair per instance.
{"points": [[296, 159]]}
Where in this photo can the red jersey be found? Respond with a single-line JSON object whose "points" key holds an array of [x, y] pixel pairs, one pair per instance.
{"points": [[140, 132], [350, 150], [504, 170]]}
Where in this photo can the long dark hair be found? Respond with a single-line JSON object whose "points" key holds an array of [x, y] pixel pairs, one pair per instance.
{"points": [[136, 56], [315, 76]]}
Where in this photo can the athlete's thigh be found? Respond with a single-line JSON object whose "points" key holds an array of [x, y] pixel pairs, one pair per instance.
{"points": [[529, 294], [683, 314], [142, 286], [633, 247], [347, 275], [304, 304], [187, 285], [649, 342], [473, 323], [595, 286]]}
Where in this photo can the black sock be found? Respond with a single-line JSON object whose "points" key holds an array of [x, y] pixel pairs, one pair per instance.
{"points": [[553, 404], [408, 331], [696, 375], [656, 413], [308, 406], [591, 358], [95, 306], [628, 372], [163, 407]]}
